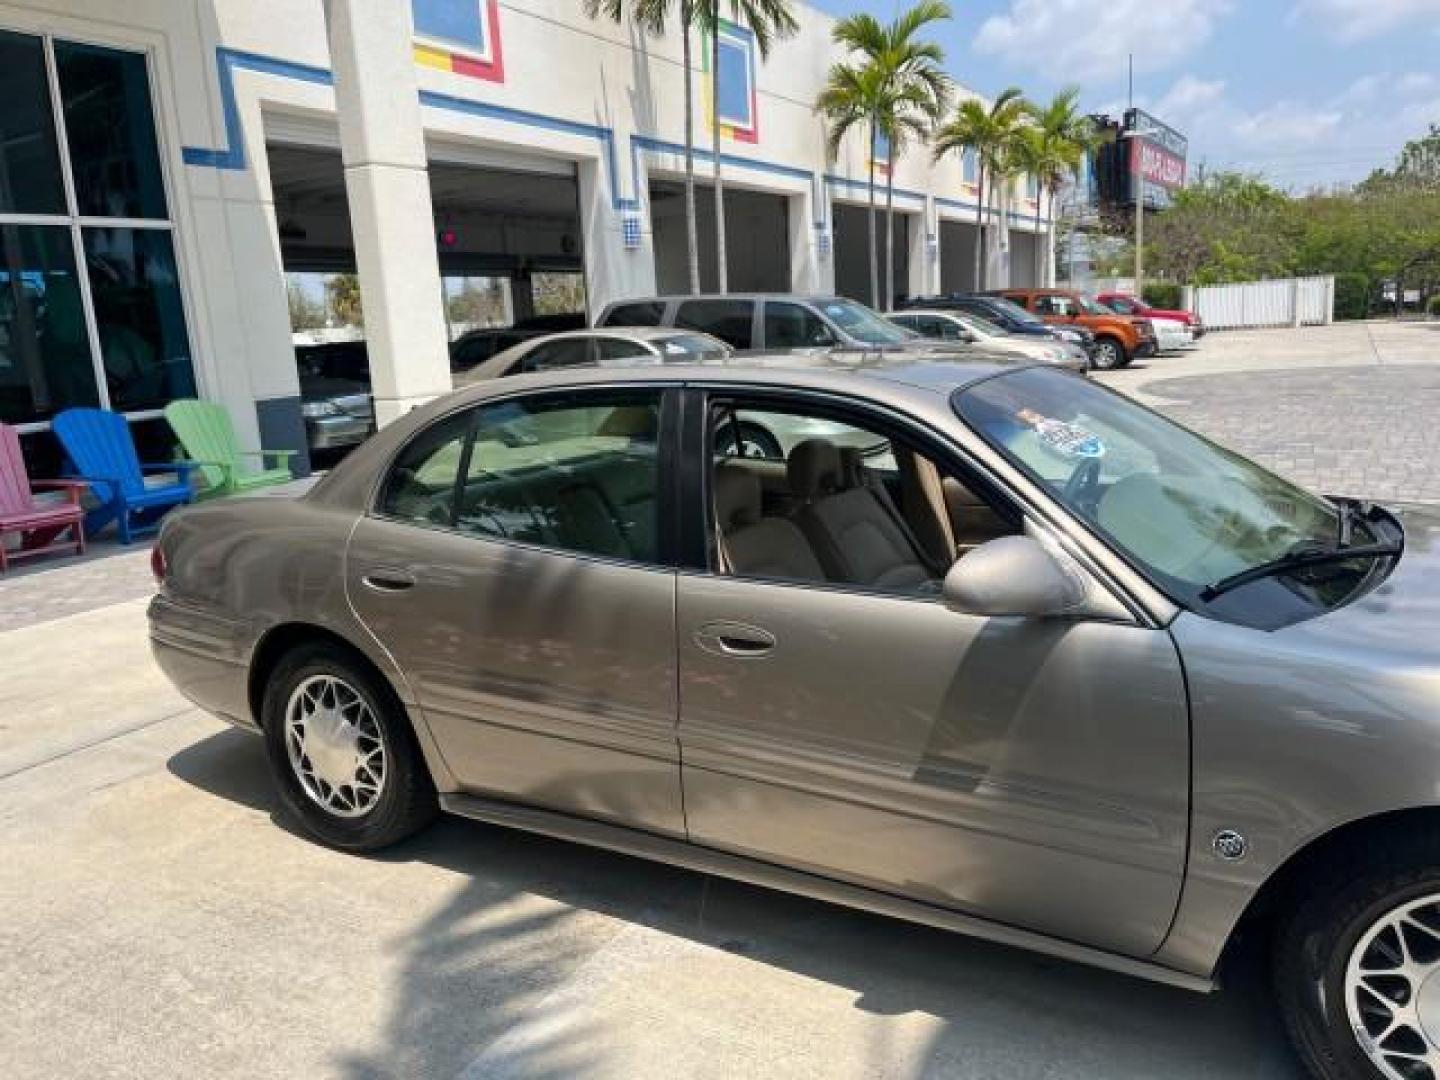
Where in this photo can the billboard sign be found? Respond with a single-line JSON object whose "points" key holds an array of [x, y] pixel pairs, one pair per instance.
{"points": [[1157, 156]]}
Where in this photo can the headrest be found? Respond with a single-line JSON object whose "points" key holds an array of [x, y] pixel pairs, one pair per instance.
{"points": [[852, 467], [813, 468], [629, 421], [737, 497]]}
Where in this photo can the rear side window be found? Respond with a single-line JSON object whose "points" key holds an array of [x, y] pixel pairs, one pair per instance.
{"points": [[578, 472], [615, 349], [567, 352], [421, 485], [794, 326], [732, 321], [640, 313]]}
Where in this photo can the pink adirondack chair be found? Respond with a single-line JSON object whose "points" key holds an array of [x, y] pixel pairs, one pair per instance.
{"points": [[40, 525]]}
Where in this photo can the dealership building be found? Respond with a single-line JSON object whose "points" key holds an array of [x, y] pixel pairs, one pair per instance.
{"points": [[168, 165]]}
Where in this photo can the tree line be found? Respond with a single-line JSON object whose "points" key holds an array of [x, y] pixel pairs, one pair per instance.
{"points": [[1380, 238]]}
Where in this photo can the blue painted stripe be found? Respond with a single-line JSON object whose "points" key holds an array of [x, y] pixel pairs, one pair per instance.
{"points": [[232, 155]]}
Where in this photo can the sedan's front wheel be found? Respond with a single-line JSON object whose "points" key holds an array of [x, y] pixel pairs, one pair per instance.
{"points": [[342, 753], [1358, 973]]}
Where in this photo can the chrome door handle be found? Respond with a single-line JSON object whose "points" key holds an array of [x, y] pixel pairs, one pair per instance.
{"points": [[734, 639], [388, 579]]}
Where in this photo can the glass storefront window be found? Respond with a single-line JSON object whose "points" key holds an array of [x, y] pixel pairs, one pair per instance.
{"points": [[140, 317], [44, 351], [29, 161], [111, 131], [90, 312]]}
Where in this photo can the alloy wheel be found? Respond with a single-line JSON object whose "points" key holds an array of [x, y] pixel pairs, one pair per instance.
{"points": [[334, 746], [1392, 991]]}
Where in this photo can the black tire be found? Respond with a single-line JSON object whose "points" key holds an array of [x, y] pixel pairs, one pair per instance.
{"points": [[755, 440], [1313, 948], [1108, 354], [406, 802]]}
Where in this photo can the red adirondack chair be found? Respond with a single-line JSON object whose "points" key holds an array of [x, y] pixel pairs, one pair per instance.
{"points": [[39, 524]]}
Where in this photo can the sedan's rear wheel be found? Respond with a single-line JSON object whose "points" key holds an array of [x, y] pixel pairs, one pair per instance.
{"points": [[1358, 971], [341, 751]]}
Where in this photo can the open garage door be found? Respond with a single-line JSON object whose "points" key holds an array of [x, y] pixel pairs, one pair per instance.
{"points": [[757, 238], [852, 253], [957, 256], [508, 242]]}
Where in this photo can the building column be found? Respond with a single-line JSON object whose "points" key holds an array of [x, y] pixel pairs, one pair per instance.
{"points": [[618, 265], [812, 267], [382, 146], [923, 271]]}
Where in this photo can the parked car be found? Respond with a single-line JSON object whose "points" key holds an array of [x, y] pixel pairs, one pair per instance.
{"points": [[1171, 335], [1126, 304], [1119, 339], [335, 395], [477, 346], [579, 348], [773, 322], [1009, 316], [972, 329], [1059, 673]]}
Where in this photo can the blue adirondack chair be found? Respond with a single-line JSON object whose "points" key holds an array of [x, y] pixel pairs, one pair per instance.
{"points": [[99, 446]]}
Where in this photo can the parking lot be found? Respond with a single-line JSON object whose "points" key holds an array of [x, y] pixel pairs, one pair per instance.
{"points": [[160, 921]]}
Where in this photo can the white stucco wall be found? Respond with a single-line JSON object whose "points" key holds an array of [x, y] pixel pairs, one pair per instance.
{"points": [[599, 97]]}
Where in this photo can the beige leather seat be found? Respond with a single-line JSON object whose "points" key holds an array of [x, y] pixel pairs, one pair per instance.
{"points": [[857, 539], [752, 544]]}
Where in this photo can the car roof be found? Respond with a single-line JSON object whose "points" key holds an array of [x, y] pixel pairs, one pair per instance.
{"points": [[665, 298]]}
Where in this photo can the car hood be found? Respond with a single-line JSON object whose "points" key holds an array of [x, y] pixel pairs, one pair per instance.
{"points": [[1398, 621]]}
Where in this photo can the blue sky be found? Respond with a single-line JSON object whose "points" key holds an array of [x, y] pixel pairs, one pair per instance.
{"points": [[1308, 92]]}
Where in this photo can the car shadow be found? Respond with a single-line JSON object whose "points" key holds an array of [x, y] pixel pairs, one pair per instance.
{"points": [[472, 968]]}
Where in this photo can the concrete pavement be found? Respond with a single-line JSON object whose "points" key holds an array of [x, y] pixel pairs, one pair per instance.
{"points": [[158, 921]]}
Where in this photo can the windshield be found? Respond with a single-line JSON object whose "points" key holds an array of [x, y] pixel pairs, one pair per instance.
{"points": [[1182, 510], [863, 324], [690, 346], [1015, 311]]}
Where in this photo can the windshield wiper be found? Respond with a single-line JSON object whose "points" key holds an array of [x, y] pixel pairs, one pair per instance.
{"points": [[1296, 560]]}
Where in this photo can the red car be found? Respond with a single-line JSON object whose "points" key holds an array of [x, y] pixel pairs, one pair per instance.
{"points": [[1125, 304]]}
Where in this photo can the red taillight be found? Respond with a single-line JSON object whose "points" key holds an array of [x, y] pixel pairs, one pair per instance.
{"points": [[158, 565]]}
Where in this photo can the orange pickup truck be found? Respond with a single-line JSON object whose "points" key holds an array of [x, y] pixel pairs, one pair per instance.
{"points": [[1118, 338]]}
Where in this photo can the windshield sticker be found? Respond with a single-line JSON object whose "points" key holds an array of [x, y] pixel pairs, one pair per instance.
{"points": [[1067, 440]]}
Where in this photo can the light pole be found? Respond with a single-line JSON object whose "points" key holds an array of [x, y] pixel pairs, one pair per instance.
{"points": [[1136, 152]]}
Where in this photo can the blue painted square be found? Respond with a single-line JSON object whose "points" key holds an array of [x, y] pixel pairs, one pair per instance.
{"points": [[733, 84], [880, 148], [459, 22], [630, 232]]}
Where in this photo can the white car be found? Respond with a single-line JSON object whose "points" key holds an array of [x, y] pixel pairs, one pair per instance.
{"points": [[948, 325], [1171, 335]]}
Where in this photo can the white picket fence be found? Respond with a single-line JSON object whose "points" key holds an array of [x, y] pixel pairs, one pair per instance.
{"points": [[1307, 301]]}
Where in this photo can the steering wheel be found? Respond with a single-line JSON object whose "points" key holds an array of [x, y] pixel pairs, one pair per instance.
{"points": [[1082, 489]]}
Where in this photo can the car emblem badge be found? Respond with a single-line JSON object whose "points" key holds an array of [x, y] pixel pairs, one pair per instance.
{"points": [[1230, 845]]}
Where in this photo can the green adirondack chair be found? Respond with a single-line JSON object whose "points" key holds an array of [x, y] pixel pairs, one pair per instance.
{"points": [[205, 431]]}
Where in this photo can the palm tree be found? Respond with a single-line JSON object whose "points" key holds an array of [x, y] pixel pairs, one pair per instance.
{"points": [[1059, 139], [768, 20], [651, 16], [917, 90], [990, 133], [853, 98]]}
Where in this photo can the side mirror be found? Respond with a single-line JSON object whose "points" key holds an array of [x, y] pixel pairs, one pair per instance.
{"points": [[1014, 575]]}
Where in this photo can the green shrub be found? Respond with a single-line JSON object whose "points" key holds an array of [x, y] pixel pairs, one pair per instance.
{"points": [[1433, 306], [1352, 296], [1164, 295]]}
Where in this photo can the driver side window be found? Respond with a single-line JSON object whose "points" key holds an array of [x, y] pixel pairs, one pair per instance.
{"points": [[805, 496]]}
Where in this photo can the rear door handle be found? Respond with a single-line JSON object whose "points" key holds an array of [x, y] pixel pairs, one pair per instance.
{"points": [[389, 579], [734, 639]]}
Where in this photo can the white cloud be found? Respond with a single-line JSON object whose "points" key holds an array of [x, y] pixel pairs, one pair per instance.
{"points": [[1089, 40], [1339, 137], [1356, 20]]}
